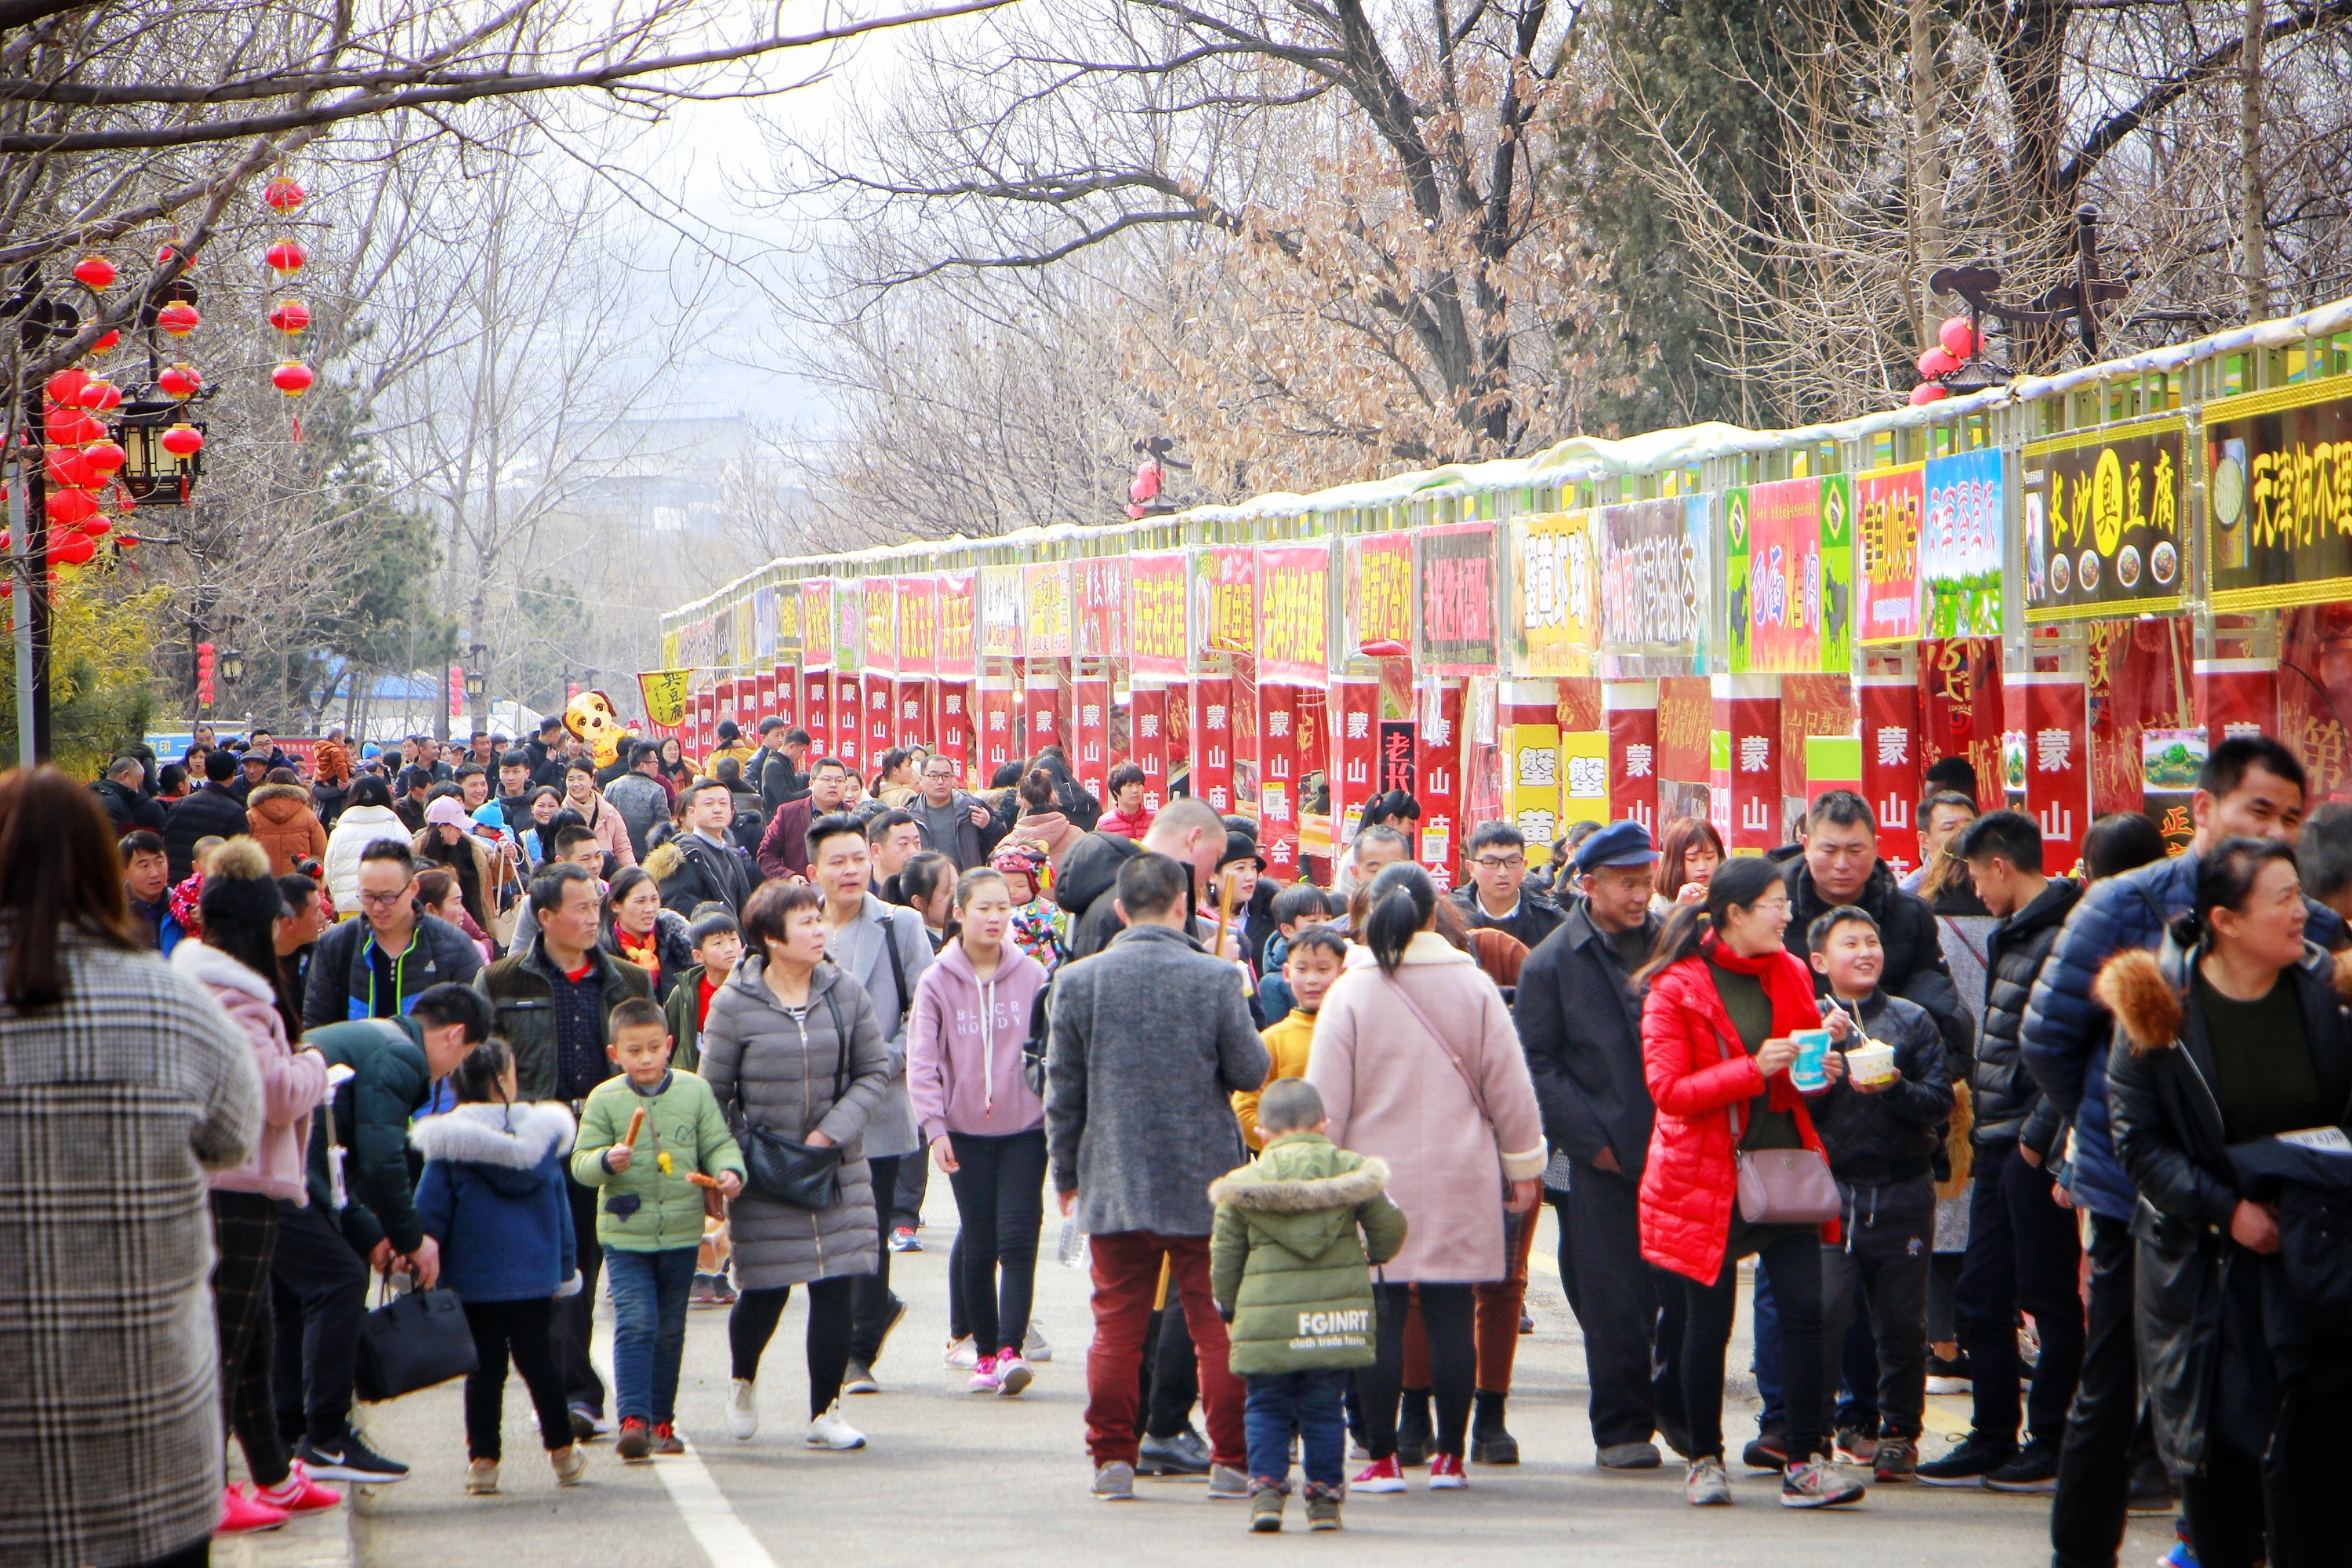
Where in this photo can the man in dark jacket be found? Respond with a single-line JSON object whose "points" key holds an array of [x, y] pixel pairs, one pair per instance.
{"points": [[1151, 1039], [779, 775], [955, 823], [379, 964], [320, 1265], [1187, 830], [1580, 1021], [783, 848], [1499, 898], [2251, 786], [712, 867], [213, 810], [554, 1001], [126, 807]]}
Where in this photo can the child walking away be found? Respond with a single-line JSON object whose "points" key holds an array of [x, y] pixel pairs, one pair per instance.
{"points": [[493, 1197], [644, 1137], [1289, 1263], [1313, 962]]}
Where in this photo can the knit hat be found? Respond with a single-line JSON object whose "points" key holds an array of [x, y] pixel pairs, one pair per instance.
{"points": [[239, 889], [1024, 858]]}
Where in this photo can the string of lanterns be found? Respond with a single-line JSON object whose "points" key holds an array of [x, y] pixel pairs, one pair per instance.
{"points": [[290, 316]]}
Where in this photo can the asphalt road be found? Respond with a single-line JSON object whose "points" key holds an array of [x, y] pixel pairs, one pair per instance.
{"points": [[953, 1478]]}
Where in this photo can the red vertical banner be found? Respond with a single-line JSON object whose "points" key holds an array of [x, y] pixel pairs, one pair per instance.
{"points": [[2057, 765], [998, 703], [1961, 710], [1278, 780], [1147, 721], [880, 732], [1213, 742], [763, 698], [816, 712], [747, 708], [1041, 709], [912, 715], [1090, 757], [951, 735], [1747, 776], [849, 721], [1893, 773], [1439, 744], [725, 697], [1355, 708], [706, 721], [1630, 713], [2237, 697], [786, 683]]}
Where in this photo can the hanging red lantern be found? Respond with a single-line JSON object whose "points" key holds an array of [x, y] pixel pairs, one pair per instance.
{"points": [[283, 194], [165, 256], [125, 542], [106, 343], [1927, 391], [104, 457], [71, 507], [70, 427], [94, 272], [293, 378], [290, 317], [1960, 338], [75, 551], [178, 319], [184, 441], [1938, 363], [65, 385], [286, 257], [98, 527], [70, 467], [99, 396], [178, 381]]}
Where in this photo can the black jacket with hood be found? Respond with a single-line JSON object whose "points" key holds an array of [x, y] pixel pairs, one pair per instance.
{"points": [[1085, 888], [2009, 1105]]}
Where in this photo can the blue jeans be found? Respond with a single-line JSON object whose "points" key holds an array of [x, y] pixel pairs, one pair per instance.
{"points": [[1308, 1402], [649, 1295]]}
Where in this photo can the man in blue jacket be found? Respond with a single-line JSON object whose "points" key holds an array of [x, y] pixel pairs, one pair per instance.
{"points": [[2253, 787]]}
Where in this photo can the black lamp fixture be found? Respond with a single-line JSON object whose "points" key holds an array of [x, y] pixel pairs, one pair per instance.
{"points": [[153, 473], [477, 684], [232, 665], [2054, 308]]}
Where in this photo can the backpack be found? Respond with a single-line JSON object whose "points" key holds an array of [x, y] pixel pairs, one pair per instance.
{"points": [[1079, 803], [1033, 1049]]}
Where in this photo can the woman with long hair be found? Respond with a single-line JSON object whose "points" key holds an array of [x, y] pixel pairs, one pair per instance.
{"points": [[675, 773], [549, 817], [1041, 822], [447, 841], [1725, 998], [1687, 857], [793, 1050], [2236, 1035], [123, 1083], [638, 929], [1418, 1064], [928, 883], [602, 817], [439, 895], [367, 817]]}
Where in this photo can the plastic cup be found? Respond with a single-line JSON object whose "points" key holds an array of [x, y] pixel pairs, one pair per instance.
{"points": [[1807, 1071]]}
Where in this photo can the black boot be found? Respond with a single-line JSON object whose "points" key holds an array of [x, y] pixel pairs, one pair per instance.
{"points": [[1412, 1429], [1490, 1442]]}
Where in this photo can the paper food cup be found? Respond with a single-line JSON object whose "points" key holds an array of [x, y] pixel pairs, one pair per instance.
{"points": [[1871, 1063]]}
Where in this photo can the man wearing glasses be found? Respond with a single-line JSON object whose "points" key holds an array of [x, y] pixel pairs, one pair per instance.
{"points": [[376, 966], [1497, 897]]}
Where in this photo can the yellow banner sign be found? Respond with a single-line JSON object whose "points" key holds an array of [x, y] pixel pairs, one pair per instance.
{"points": [[665, 694]]}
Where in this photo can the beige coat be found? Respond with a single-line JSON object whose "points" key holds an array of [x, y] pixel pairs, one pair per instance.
{"points": [[1391, 1092]]}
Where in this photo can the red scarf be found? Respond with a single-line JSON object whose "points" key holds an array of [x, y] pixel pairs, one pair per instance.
{"points": [[643, 952], [1792, 993]]}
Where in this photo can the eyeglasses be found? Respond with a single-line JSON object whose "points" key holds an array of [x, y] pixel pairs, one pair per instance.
{"points": [[382, 900], [1500, 862], [1778, 906]]}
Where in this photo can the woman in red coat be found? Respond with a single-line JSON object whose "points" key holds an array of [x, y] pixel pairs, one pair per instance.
{"points": [[1724, 998]]}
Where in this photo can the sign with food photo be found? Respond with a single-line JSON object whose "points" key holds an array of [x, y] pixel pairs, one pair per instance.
{"points": [[2102, 522]]}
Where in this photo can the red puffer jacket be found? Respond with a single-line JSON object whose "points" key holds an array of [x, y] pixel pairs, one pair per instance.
{"points": [[1690, 1182]]}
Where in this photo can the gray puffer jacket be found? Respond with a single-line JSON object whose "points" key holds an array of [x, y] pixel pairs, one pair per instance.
{"points": [[778, 1076]]}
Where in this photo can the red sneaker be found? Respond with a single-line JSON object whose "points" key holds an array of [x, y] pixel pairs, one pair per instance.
{"points": [[1380, 1476], [667, 1440], [241, 1515], [637, 1442], [297, 1493], [1446, 1473]]}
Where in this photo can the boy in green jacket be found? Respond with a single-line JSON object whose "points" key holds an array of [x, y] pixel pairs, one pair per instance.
{"points": [[1291, 1273], [644, 1137]]}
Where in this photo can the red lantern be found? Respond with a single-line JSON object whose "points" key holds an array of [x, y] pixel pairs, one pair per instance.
{"points": [[178, 319], [165, 256], [71, 507], [99, 396], [74, 552], [179, 382], [1927, 391], [184, 441], [1960, 338], [105, 458], [94, 272], [99, 527], [290, 317], [286, 257], [106, 343], [70, 467], [293, 378], [126, 541], [1938, 363], [66, 386], [283, 194], [70, 427]]}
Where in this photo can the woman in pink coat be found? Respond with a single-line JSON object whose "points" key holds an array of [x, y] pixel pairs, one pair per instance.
{"points": [[603, 817], [1418, 1063]]}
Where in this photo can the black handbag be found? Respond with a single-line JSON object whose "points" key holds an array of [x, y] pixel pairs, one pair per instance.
{"points": [[1033, 1049], [784, 1170], [412, 1341]]}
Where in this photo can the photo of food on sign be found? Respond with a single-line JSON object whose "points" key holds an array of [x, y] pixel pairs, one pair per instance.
{"points": [[2102, 522]]}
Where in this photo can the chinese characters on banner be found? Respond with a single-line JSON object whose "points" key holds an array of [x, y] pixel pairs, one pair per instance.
{"points": [[1292, 585], [1532, 782], [816, 622], [1277, 783], [1041, 709], [763, 623], [1090, 697], [1555, 614], [1746, 778], [1811, 706], [912, 719], [1440, 746], [1457, 593], [1630, 710], [848, 716], [1102, 607], [1961, 545], [1000, 593], [816, 712], [881, 623], [919, 625], [784, 699], [1045, 610], [2280, 482], [958, 623], [1148, 718], [848, 624], [1213, 742], [1654, 572], [881, 722], [1159, 641], [1893, 773], [1379, 614], [2102, 522], [1227, 599], [1355, 710], [996, 707], [764, 697], [1960, 707], [1790, 575], [2057, 765], [788, 625], [955, 736], [1888, 505], [1398, 763]]}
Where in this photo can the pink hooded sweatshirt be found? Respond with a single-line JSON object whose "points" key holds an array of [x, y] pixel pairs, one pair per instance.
{"points": [[963, 1045], [292, 1082]]}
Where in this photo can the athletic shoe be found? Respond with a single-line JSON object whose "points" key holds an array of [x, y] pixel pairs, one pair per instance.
{"points": [[984, 1377], [1227, 1484], [667, 1440], [1445, 1474], [2034, 1469], [1185, 1454], [830, 1431], [353, 1461], [297, 1493], [1705, 1485], [1265, 1510], [698, 1294], [1033, 1346], [1632, 1456], [859, 1378], [962, 1354], [1114, 1482], [722, 1290], [570, 1463], [1971, 1460], [241, 1515], [903, 1240], [1897, 1459], [898, 1314], [742, 1410], [636, 1446], [1013, 1373], [1949, 1377], [587, 1425], [1816, 1483], [1855, 1445], [1380, 1476], [482, 1478], [1323, 1511], [1770, 1451]]}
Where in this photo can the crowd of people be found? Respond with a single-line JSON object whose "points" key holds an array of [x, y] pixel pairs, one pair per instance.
{"points": [[512, 1026]]}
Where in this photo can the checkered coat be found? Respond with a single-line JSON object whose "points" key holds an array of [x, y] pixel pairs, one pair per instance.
{"points": [[113, 1104]]}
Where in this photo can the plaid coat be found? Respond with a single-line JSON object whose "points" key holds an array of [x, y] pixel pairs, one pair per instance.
{"points": [[113, 1104]]}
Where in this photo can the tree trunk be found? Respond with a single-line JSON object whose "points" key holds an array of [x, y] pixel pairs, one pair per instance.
{"points": [[1925, 207], [2254, 194]]}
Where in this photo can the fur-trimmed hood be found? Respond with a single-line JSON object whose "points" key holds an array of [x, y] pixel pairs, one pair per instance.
{"points": [[512, 1138], [2140, 988], [1302, 1192], [1249, 1188], [295, 795]]}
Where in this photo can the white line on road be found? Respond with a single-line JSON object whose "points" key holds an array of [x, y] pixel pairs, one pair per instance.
{"points": [[724, 1538]]}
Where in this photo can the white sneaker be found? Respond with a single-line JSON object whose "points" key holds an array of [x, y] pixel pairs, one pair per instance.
{"points": [[830, 1431], [743, 1410], [1034, 1347], [1013, 1373], [962, 1353], [1705, 1485]]}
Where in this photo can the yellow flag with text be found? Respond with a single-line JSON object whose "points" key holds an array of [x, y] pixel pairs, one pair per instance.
{"points": [[665, 694]]}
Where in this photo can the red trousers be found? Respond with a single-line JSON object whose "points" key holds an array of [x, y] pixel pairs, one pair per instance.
{"points": [[1126, 1279]]}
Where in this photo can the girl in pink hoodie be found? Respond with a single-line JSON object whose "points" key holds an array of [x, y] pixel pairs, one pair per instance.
{"points": [[236, 960], [984, 1124]]}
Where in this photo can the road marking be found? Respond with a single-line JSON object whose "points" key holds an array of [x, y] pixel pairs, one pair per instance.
{"points": [[724, 1538]]}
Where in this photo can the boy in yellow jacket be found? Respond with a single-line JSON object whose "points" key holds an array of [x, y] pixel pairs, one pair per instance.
{"points": [[1311, 967]]}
